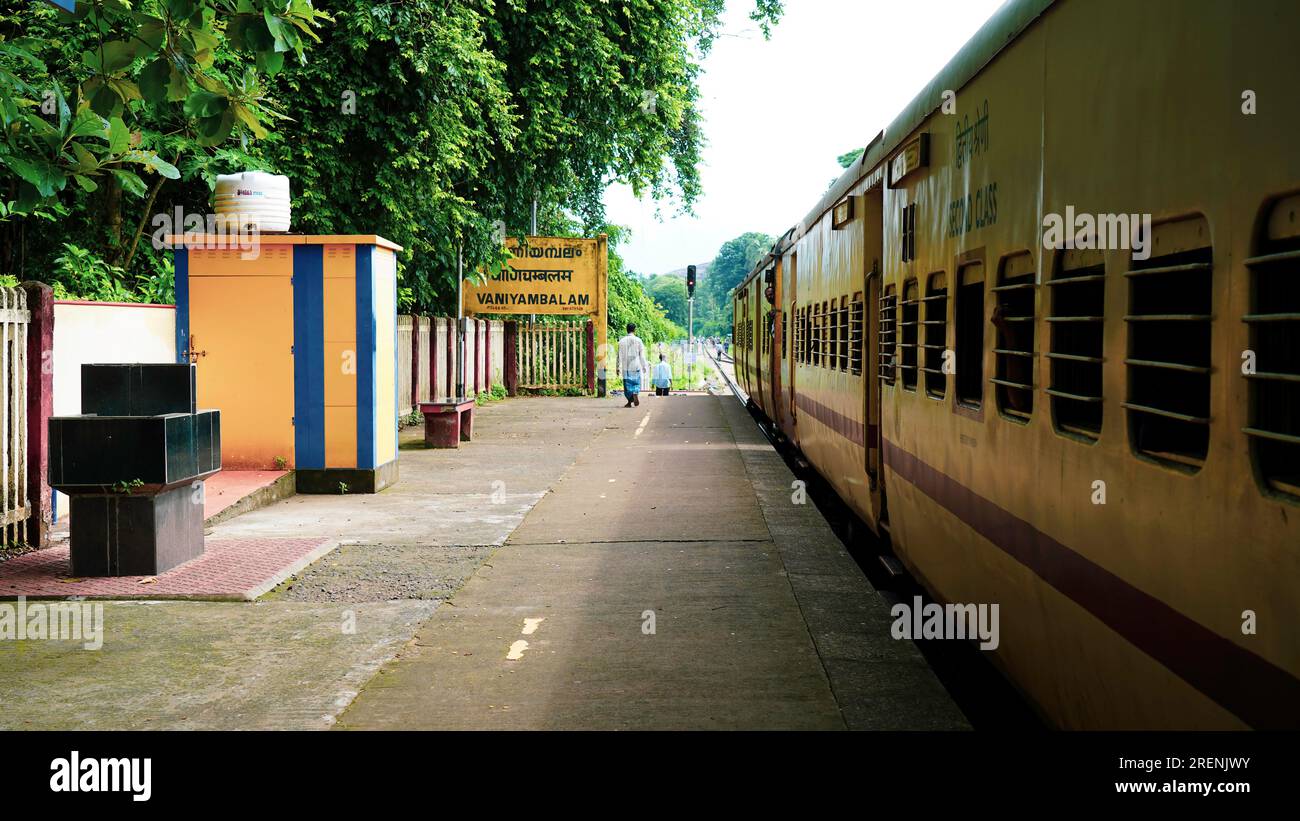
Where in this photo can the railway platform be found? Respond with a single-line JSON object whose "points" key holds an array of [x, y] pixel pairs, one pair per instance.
{"points": [[668, 580], [577, 565]]}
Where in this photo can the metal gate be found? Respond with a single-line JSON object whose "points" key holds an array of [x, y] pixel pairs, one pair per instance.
{"points": [[14, 504], [552, 356]]}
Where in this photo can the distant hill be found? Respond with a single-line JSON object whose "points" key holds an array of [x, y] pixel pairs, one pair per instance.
{"points": [[701, 271]]}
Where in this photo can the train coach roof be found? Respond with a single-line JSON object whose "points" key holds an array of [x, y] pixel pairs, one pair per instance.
{"points": [[998, 31]]}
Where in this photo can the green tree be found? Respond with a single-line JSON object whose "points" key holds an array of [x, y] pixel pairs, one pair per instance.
{"points": [[669, 293], [395, 124], [91, 102], [736, 258], [849, 157], [433, 122], [466, 112], [628, 301]]}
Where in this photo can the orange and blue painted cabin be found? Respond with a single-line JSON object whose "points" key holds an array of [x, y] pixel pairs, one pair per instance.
{"points": [[295, 342]]}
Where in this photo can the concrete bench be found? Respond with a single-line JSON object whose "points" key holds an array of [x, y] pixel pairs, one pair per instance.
{"points": [[448, 423]]}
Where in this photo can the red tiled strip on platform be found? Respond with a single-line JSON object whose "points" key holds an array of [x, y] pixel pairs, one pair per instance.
{"points": [[229, 569]]}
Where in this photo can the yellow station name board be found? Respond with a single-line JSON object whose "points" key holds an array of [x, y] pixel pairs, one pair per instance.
{"points": [[545, 275]]}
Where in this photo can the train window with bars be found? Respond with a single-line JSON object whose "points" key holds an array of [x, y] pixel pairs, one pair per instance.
{"points": [[907, 233], [833, 338], [969, 316], [1013, 351], [815, 334], [1168, 362], [1076, 322], [796, 335], [824, 352], [888, 335], [856, 335], [935, 338], [1274, 323], [844, 334], [910, 328], [807, 334]]}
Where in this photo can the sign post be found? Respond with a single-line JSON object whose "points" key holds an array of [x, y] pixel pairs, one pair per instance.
{"points": [[690, 326], [560, 276], [460, 323]]}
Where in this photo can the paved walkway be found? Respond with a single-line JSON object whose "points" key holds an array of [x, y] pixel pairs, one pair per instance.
{"points": [[668, 581], [678, 510], [296, 658]]}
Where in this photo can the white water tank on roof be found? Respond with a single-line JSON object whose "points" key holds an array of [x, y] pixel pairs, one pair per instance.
{"points": [[253, 198]]}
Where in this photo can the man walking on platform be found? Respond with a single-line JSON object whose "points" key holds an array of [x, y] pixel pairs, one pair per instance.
{"points": [[631, 364]]}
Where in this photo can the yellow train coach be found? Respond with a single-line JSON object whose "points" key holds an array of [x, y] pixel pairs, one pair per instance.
{"points": [[1044, 336]]}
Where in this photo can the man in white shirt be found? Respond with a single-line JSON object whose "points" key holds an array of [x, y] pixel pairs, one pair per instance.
{"points": [[631, 364], [662, 377]]}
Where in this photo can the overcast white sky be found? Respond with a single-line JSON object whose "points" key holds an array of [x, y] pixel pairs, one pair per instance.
{"points": [[850, 64]]}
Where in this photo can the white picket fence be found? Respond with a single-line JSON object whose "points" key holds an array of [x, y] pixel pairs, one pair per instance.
{"points": [[14, 319]]}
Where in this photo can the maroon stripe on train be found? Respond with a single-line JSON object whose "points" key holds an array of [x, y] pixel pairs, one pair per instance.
{"points": [[1252, 688], [850, 429]]}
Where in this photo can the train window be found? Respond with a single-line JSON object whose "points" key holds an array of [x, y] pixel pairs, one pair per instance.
{"points": [[807, 334], [824, 353], [1274, 322], [833, 346], [888, 334], [796, 332], [1077, 318], [907, 232], [856, 336], [815, 342], [969, 316], [911, 322], [936, 334], [1168, 362], [1013, 318], [844, 333]]}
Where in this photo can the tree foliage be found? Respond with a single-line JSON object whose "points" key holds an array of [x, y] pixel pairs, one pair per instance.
{"points": [[435, 123], [112, 99], [849, 157], [628, 302], [669, 293], [736, 258]]}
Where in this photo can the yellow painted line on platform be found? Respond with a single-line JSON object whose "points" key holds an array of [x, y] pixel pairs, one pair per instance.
{"points": [[517, 650], [530, 625], [641, 427]]}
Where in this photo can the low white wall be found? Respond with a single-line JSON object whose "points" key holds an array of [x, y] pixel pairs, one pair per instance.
{"points": [[88, 333]]}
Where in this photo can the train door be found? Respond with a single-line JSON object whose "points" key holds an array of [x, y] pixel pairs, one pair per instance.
{"points": [[775, 327], [739, 344], [873, 264]]}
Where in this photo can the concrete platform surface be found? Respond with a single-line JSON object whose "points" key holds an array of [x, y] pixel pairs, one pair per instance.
{"points": [[667, 581], [296, 658], [204, 666]]}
